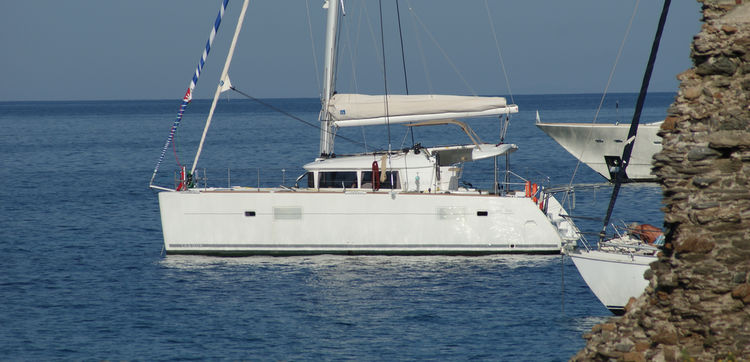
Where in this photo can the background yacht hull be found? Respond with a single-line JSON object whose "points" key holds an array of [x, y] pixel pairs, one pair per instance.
{"points": [[245, 222], [613, 277], [591, 143]]}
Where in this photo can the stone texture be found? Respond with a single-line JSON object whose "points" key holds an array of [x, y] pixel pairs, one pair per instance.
{"points": [[697, 304]]}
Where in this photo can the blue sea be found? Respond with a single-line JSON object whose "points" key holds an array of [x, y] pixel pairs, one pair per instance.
{"points": [[83, 276]]}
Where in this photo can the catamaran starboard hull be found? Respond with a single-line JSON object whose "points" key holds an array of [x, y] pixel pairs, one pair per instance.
{"points": [[245, 222]]}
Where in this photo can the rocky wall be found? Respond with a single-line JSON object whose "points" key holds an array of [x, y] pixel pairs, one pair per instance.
{"points": [[697, 306]]}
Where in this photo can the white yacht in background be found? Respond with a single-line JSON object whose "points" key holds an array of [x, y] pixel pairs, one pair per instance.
{"points": [[389, 202], [599, 145]]}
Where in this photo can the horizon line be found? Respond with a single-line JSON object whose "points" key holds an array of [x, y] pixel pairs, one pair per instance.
{"points": [[240, 98]]}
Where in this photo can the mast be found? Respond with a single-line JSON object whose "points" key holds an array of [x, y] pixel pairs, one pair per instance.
{"points": [[326, 123], [620, 176]]}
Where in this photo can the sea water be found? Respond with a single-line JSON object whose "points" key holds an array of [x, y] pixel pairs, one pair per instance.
{"points": [[83, 276]]}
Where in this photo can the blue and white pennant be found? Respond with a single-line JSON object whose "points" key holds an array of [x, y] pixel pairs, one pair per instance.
{"points": [[189, 93]]}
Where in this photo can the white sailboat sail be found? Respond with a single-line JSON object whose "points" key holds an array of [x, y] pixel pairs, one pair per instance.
{"points": [[348, 110]]}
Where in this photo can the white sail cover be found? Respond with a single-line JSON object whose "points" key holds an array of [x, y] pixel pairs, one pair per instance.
{"points": [[363, 110]]}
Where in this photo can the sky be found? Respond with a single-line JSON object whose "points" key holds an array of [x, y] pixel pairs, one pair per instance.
{"points": [[149, 49]]}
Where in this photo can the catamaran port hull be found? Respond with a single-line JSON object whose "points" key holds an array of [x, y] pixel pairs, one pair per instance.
{"points": [[282, 222]]}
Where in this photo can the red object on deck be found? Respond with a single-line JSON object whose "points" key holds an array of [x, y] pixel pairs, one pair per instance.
{"points": [[375, 176], [528, 188], [648, 233]]}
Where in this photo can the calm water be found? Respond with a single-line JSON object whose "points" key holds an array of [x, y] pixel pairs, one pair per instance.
{"points": [[82, 275]]}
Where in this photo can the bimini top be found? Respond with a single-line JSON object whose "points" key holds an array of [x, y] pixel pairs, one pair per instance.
{"points": [[364, 110]]}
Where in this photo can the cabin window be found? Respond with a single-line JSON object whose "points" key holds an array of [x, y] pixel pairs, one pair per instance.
{"points": [[338, 179], [367, 180], [311, 180]]}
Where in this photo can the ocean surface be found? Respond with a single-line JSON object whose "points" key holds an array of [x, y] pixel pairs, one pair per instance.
{"points": [[83, 276]]}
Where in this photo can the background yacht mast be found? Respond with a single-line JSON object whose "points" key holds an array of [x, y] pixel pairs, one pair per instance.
{"points": [[326, 126]]}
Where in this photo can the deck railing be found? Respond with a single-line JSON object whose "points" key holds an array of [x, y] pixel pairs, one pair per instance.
{"points": [[243, 177], [256, 177]]}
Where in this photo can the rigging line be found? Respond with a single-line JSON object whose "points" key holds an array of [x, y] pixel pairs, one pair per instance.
{"points": [[189, 93], [364, 138], [445, 55], [499, 55], [606, 89], [357, 40], [421, 50], [403, 62], [636, 116], [349, 48], [617, 59], [340, 29], [174, 150], [337, 50], [403, 140], [403, 56], [312, 43], [352, 62], [385, 75], [291, 115], [374, 39]]}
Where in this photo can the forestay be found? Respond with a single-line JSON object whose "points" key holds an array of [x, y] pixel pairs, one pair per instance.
{"points": [[348, 110]]}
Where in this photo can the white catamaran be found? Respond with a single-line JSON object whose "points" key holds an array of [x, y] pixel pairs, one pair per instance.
{"points": [[388, 202]]}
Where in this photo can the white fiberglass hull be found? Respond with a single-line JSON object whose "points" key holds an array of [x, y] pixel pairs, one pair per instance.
{"points": [[279, 222], [591, 143], [613, 277]]}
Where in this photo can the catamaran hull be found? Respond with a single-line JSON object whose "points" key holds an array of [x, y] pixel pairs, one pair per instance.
{"points": [[593, 144], [613, 277], [243, 222]]}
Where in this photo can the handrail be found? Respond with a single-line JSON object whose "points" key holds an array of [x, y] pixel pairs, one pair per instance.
{"points": [[566, 188], [630, 246], [248, 176]]}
